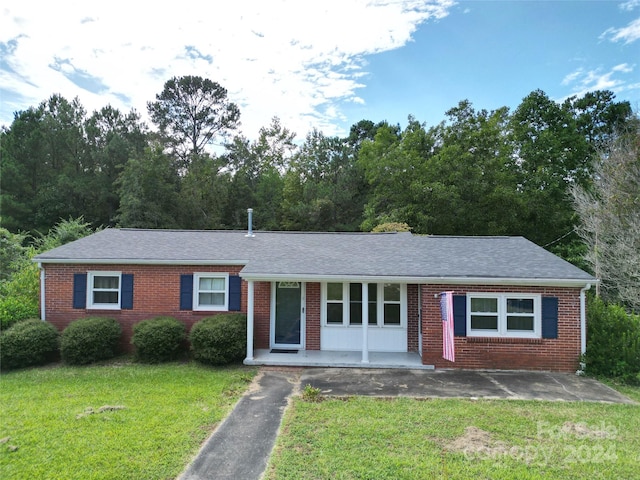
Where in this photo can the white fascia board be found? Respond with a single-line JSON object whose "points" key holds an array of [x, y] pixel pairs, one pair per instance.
{"points": [[129, 261], [532, 282]]}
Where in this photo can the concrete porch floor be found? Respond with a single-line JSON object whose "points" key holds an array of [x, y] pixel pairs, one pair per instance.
{"points": [[323, 358]]}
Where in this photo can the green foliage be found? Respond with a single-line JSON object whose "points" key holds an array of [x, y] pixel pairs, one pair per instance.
{"points": [[89, 340], [613, 342], [14, 309], [311, 394], [191, 112], [220, 339], [158, 339], [11, 251], [65, 231], [391, 227], [27, 343], [148, 189]]}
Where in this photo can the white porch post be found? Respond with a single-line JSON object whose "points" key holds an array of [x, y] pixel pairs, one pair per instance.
{"points": [[365, 323], [249, 320]]}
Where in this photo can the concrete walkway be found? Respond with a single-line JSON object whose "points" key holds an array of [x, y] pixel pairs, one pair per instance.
{"points": [[241, 446]]}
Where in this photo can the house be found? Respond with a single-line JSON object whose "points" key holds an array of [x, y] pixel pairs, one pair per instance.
{"points": [[515, 305]]}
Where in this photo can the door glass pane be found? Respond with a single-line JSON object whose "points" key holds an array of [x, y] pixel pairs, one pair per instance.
{"points": [[334, 291], [484, 322], [392, 314], [520, 323], [519, 305], [484, 304]]}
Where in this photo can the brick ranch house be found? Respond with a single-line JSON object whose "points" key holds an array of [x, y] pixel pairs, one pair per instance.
{"points": [[515, 305]]}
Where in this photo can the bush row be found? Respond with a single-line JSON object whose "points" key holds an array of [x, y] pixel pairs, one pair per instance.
{"points": [[214, 340]]}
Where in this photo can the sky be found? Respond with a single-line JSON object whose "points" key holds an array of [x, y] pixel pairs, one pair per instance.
{"points": [[319, 64]]}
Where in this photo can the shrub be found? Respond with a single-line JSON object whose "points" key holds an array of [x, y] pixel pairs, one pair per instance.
{"points": [[90, 339], [158, 339], [14, 309], [27, 343], [613, 342], [219, 340]]}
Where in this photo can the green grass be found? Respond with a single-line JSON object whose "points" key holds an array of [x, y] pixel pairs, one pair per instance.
{"points": [[167, 411], [368, 438]]}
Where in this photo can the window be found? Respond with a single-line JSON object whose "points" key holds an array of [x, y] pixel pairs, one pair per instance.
{"points": [[355, 303], [335, 303], [342, 304], [504, 315], [103, 290], [210, 291], [392, 304]]}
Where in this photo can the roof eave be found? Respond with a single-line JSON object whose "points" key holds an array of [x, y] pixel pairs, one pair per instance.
{"points": [[138, 261], [501, 281]]}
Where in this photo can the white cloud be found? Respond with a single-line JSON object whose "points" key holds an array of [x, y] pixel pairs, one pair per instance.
{"points": [[629, 5], [582, 81], [292, 59], [628, 34]]}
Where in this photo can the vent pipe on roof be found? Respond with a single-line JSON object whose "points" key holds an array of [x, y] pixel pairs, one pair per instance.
{"points": [[250, 221]]}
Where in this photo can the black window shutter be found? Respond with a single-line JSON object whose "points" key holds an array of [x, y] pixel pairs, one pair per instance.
{"points": [[460, 315], [186, 292], [126, 290], [79, 290], [549, 317], [235, 287]]}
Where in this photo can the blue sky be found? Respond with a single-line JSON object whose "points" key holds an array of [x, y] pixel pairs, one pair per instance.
{"points": [[322, 65]]}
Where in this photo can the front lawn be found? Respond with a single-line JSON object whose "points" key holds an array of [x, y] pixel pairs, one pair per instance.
{"points": [[118, 421], [368, 438]]}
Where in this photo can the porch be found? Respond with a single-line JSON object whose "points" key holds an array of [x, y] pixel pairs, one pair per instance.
{"points": [[324, 358]]}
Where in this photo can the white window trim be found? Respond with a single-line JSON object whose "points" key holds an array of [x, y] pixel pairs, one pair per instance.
{"points": [[196, 291], [502, 316], [90, 290], [379, 307]]}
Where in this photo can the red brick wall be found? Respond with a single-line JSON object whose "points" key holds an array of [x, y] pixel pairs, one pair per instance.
{"points": [[559, 354], [313, 317], [413, 318], [156, 292]]}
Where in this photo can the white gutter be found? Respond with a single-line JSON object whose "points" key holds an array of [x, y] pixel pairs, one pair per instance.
{"points": [[531, 282], [42, 294], [132, 261], [583, 319]]}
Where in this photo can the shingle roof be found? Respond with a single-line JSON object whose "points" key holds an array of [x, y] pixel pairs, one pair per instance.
{"points": [[328, 255]]}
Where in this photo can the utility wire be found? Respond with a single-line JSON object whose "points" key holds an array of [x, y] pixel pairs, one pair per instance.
{"points": [[558, 239]]}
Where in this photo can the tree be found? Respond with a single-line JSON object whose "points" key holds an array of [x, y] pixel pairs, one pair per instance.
{"points": [[113, 138], [258, 168], [191, 112], [148, 188], [204, 193], [325, 188], [609, 212]]}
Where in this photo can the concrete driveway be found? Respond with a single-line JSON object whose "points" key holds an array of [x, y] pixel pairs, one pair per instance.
{"points": [[460, 384]]}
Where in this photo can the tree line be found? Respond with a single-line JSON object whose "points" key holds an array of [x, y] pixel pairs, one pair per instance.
{"points": [[478, 172]]}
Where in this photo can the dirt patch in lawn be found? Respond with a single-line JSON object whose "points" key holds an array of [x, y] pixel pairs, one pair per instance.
{"points": [[476, 441]]}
